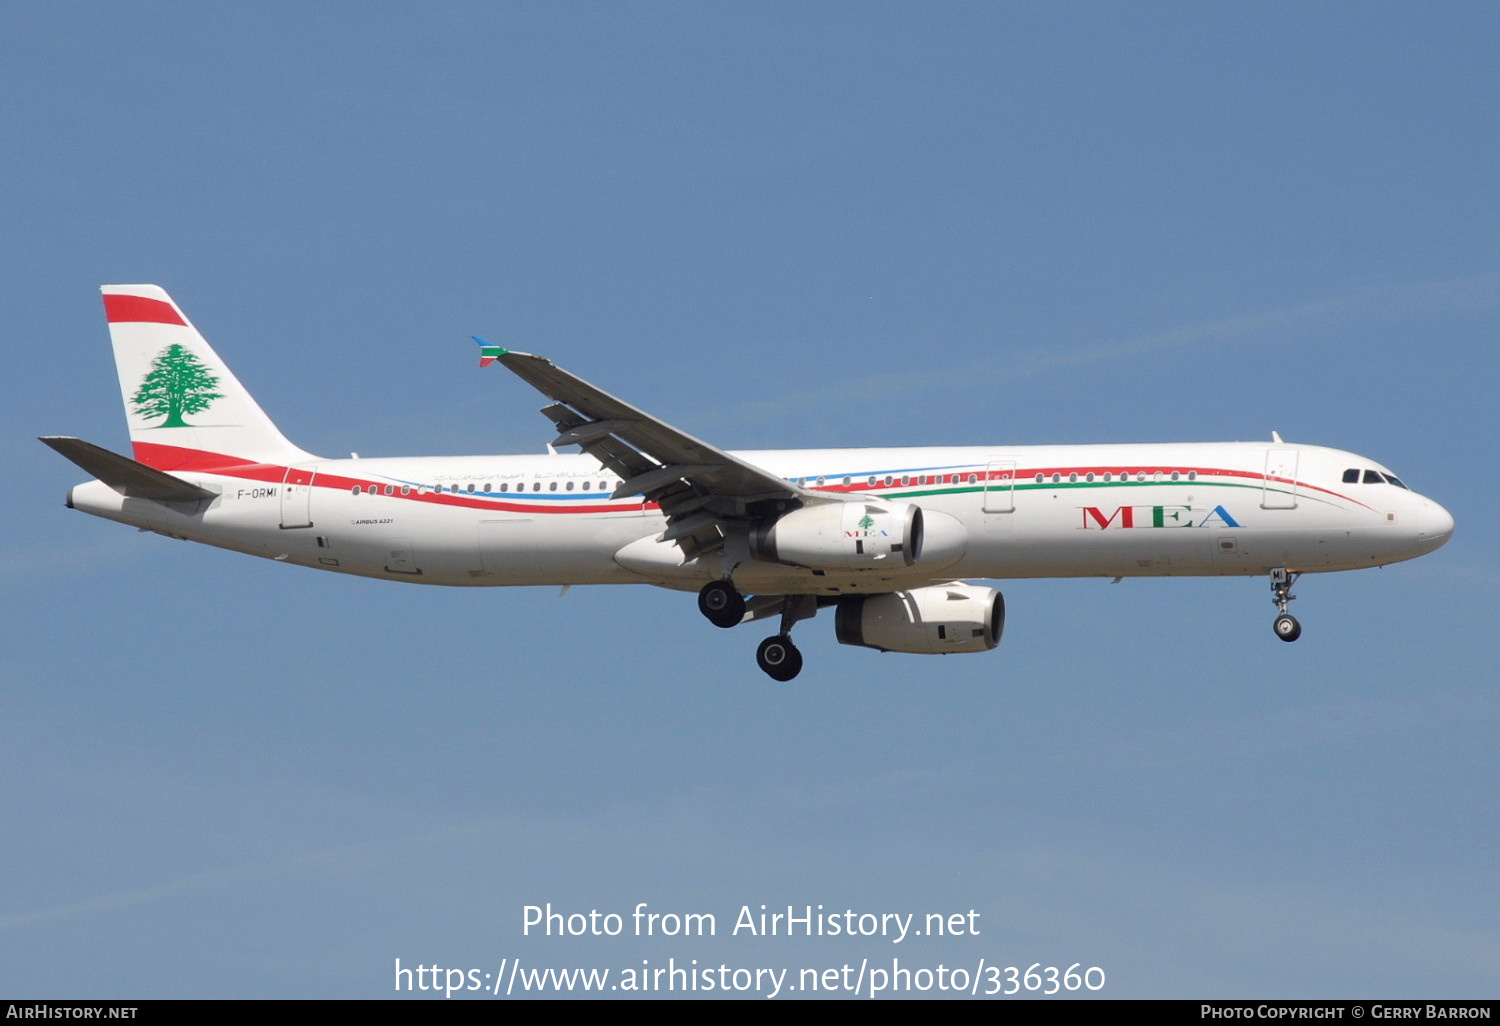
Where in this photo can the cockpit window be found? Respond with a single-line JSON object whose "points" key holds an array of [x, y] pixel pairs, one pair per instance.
{"points": [[1353, 476]]}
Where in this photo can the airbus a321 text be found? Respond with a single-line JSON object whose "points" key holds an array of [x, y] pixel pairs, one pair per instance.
{"points": [[887, 537]]}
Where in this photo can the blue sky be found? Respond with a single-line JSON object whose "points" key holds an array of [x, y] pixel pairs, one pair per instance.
{"points": [[771, 225]]}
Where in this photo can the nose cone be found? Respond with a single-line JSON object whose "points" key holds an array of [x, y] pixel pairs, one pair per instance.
{"points": [[1434, 526]]}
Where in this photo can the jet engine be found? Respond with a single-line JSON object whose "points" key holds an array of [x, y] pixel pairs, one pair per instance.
{"points": [[923, 621], [860, 536], [842, 536]]}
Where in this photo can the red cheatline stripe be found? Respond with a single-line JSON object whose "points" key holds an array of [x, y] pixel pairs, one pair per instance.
{"points": [[175, 458], [119, 308]]}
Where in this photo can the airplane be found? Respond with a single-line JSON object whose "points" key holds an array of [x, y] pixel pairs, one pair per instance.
{"points": [[888, 537]]}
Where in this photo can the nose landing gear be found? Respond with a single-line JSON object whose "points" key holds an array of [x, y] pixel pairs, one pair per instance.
{"points": [[1286, 626]]}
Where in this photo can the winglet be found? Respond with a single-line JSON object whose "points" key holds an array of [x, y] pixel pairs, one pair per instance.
{"points": [[488, 351]]}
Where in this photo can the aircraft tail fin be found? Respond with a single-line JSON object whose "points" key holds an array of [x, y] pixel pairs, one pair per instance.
{"points": [[186, 409]]}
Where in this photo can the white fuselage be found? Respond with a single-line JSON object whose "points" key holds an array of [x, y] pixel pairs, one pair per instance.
{"points": [[1025, 511]]}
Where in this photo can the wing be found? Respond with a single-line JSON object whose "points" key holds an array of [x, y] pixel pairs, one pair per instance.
{"points": [[697, 485]]}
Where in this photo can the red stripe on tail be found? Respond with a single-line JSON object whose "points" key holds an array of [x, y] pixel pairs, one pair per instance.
{"points": [[119, 308], [173, 457]]}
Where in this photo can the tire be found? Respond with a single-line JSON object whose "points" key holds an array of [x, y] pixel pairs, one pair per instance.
{"points": [[779, 658], [1287, 628], [721, 604]]}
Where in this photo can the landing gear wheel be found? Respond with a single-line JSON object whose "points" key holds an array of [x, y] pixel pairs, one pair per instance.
{"points": [[721, 603], [1286, 626], [779, 657]]}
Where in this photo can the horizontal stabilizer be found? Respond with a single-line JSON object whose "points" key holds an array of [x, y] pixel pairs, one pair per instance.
{"points": [[124, 474]]}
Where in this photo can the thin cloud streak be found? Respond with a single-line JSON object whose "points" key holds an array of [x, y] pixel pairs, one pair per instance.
{"points": [[1319, 318], [329, 858]]}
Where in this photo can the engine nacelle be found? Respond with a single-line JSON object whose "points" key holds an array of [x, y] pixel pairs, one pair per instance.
{"points": [[842, 536], [923, 621]]}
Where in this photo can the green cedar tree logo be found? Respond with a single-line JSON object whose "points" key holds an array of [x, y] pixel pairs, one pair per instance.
{"points": [[177, 384]]}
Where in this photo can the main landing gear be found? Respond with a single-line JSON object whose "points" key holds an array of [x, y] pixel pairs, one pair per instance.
{"points": [[1286, 626], [721, 602], [779, 658]]}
